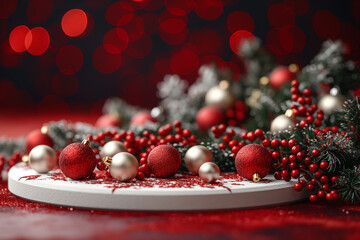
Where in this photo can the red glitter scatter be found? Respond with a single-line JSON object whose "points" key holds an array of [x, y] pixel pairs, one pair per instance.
{"points": [[38, 11], [238, 37], [299, 39], [119, 13], [174, 39], [65, 85], [115, 40], [300, 7], [135, 28], [173, 25], [104, 61], [69, 59], [74, 22], [8, 57], [281, 16], [184, 62], [280, 42], [179, 7], [7, 8], [239, 20], [96, 4], [30, 177], [140, 48], [55, 106], [151, 23], [37, 41], [17, 38], [209, 9], [326, 24]]}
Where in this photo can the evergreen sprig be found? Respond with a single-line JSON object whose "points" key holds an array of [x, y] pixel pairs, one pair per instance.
{"points": [[349, 185], [349, 119]]}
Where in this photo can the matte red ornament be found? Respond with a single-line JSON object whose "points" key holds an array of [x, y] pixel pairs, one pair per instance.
{"points": [[251, 159], [208, 117], [36, 138], [141, 118], [77, 161], [109, 120], [164, 161], [279, 76]]}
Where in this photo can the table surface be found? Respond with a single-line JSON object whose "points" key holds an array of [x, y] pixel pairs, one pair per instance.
{"points": [[21, 219]]}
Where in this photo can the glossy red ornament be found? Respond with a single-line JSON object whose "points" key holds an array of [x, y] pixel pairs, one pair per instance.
{"points": [[141, 118], [109, 120], [251, 159], [208, 117], [279, 76], [36, 138], [164, 161], [77, 161]]}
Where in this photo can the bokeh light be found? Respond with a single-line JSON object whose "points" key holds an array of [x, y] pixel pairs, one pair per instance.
{"points": [[184, 62], [207, 41], [179, 7], [279, 41], [299, 39], [17, 38], [119, 13], [37, 41], [115, 40], [105, 62], [74, 22], [281, 16], [300, 7], [326, 24], [173, 25], [8, 57], [239, 20], [7, 8], [65, 85], [69, 59], [134, 28], [38, 11], [140, 48], [209, 9], [58, 38], [151, 23], [237, 39]]}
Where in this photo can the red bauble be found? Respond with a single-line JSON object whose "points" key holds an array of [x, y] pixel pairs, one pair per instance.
{"points": [[109, 120], [141, 118], [36, 138], [279, 76], [164, 161], [208, 117], [251, 159], [77, 161]]}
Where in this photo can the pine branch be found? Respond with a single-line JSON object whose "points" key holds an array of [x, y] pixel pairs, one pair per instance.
{"points": [[349, 185]]}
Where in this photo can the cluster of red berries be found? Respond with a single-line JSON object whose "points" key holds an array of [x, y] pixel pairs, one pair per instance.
{"points": [[303, 107], [142, 145], [14, 159], [236, 115]]}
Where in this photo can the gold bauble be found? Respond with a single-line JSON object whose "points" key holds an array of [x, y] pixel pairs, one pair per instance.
{"points": [[42, 158], [111, 148], [209, 172], [281, 123], [330, 103], [196, 156], [123, 166], [219, 97]]}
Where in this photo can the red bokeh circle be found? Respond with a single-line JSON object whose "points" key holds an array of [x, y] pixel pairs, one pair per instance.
{"points": [[74, 22], [38, 11], [115, 40], [326, 24], [184, 62], [104, 61], [140, 48], [7, 8], [280, 42], [17, 38], [8, 57], [69, 59], [209, 9], [239, 20], [179, 7], [135, 28], [281, 16], [299, 39], [119, 13], [174, 39], [172, 25], [237, 38], [300, 7], [37, 41], [151, 23], [207, 41]]}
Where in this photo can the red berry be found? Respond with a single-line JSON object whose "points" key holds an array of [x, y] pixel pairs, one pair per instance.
{"points": [[307, 161], [310, 187], [313, 198], [266, 142], [334, 179], [303, 123], [235, 149], [313, 168], [277, 175], [222, 146], [334, 129], [324, 179], [317, 123], [275, 143], [321, 195], [214, 129], [294, 90], [177, 124], [315, 153], [285, 175], [300, 155], [301, 100], [251, 136], [324, 165], [259, 132], [101, 165], [284, 143], [292, 142], [285, 160], [222, 127], [295, 173], [292, 158], [298, 187], [295, 149], [226, 139], [292, 165], [295, 83], [326, 186], [294, 97], [275, 155], [307, 92], [186, 133], [318, 175], [231, 133], [244, 135], [329, 197]]}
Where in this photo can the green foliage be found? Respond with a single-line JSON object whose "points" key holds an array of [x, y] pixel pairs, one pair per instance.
{"points": [[349, 185], [349, 119]]}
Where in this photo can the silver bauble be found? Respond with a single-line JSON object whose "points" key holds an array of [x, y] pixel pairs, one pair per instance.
{"points": [[111, 148], [124, 166], [281, 123], [330, 103], [42, 158], [219, 97], [209, 172], [196, 156]]}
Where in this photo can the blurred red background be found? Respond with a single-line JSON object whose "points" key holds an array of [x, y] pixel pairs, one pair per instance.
{"points": [[62, 59]]}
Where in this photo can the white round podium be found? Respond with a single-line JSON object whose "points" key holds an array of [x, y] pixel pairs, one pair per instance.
{"points": [[180, 193]]}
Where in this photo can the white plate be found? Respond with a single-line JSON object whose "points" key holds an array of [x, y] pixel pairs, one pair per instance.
{"points": [[230, 192]]}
